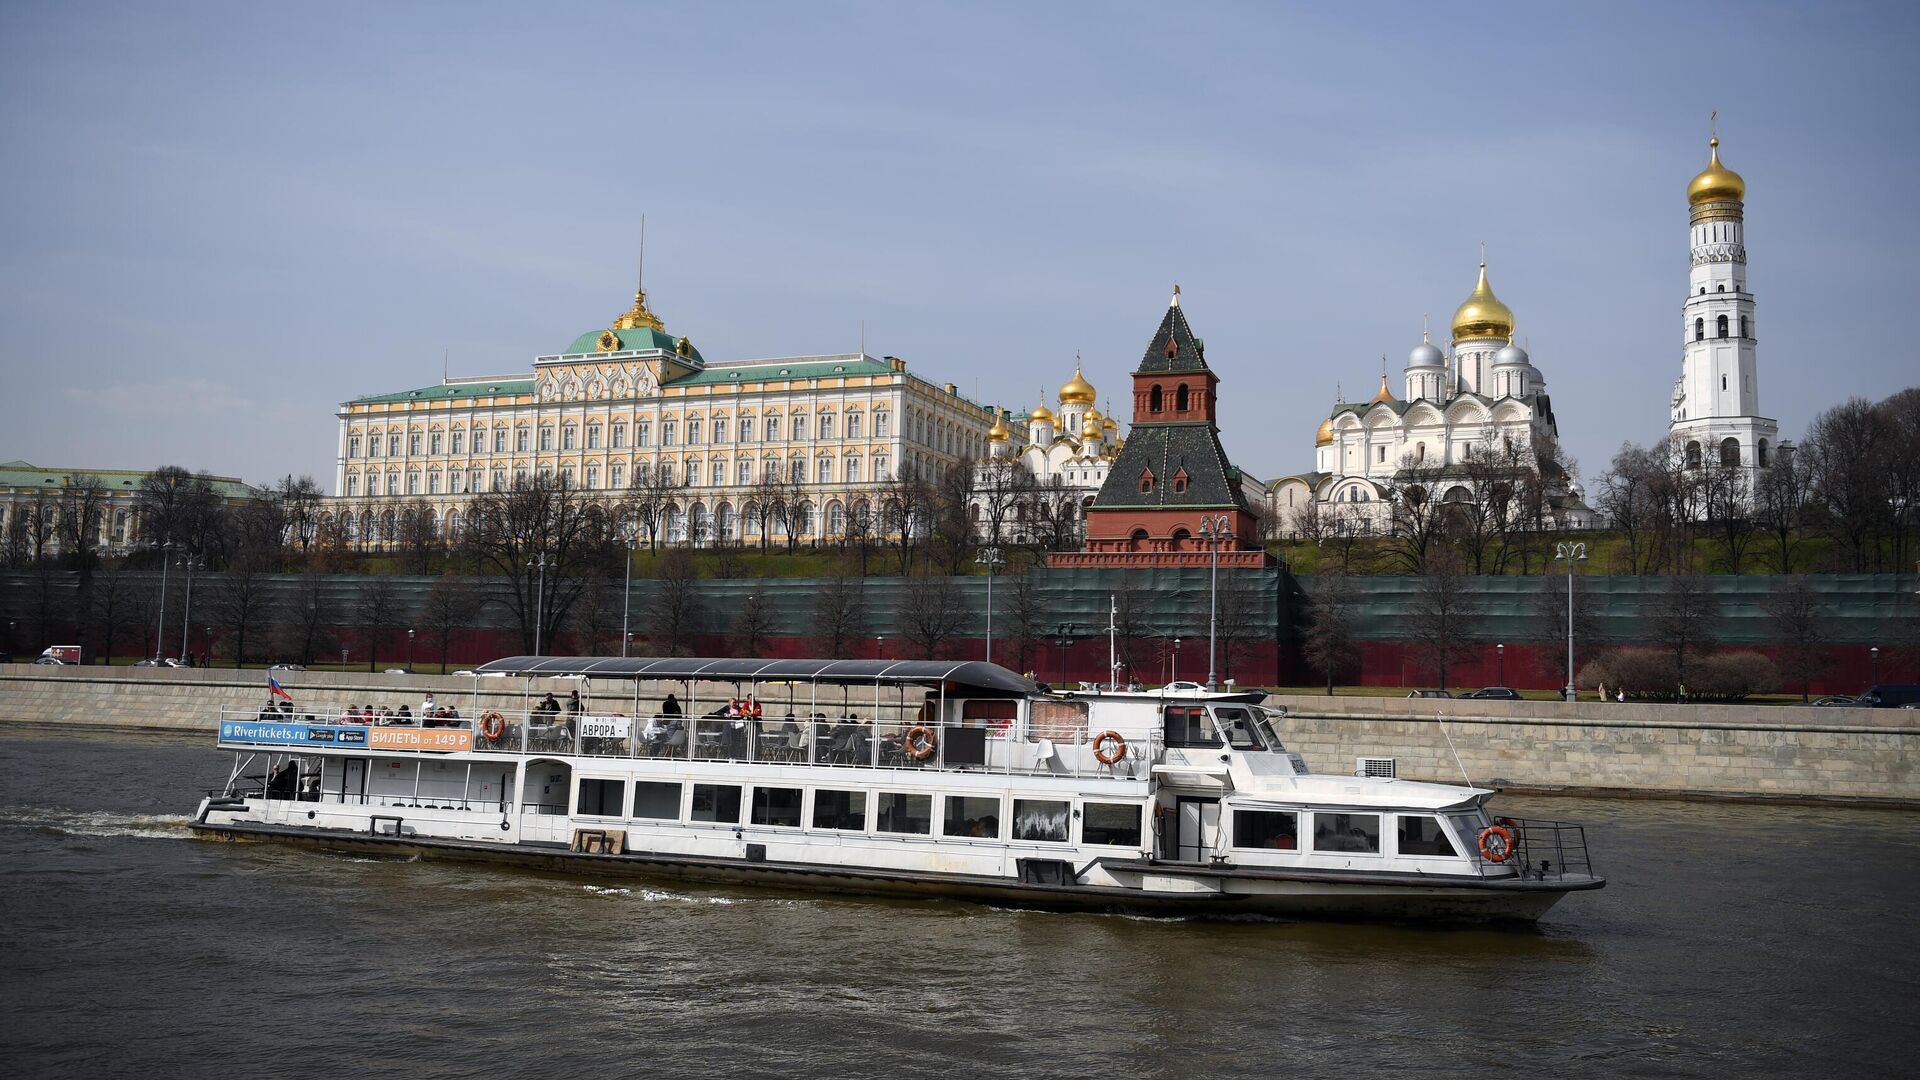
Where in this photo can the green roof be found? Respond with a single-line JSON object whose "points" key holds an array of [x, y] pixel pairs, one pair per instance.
{"points": [[638, 339], [455, 390], [812, 369], [21, 474]]}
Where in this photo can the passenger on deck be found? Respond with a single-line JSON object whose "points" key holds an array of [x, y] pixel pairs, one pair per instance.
{"points": [[428, 707], [751, 710], [403, 716], [267, 712], [671, 706], [351, 714], [573, 703], [548, 706], [283, 781]]}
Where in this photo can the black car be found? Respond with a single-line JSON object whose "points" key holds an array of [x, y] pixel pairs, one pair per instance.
{"points": [[1890, 695], [1498, 693], [1430, 693]]}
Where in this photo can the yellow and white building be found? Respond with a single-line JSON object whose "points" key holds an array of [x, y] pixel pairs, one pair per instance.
{"points": [[624, 406]]}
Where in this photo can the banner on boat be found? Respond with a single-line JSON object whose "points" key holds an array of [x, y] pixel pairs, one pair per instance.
{"points": [[606, 727], [445, 740]]}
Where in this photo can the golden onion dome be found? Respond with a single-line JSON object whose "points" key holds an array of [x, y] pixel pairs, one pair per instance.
{"points": [[999, 432], [1090, 426], [1077, 390], [1040, 415], [1482, 315], [1107, 424], [1324, 437], [1384, 394], [1716, 182]]}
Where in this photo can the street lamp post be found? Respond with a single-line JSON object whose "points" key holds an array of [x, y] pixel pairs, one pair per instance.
{"points": [[539, 600], [989, 558], [209, 640], [1173, 668], [880, 647], [409, 650], [1215, 531], [1572, 553], [186, 616], [1873, 662], [632, 532], [1062, 642], [1500, 650], [160, 627]]}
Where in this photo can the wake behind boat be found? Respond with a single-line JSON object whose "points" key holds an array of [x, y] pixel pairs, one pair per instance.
{"points": [[951, 779]]}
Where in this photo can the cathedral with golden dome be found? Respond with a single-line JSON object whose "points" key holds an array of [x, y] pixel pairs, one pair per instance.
{"points": [[1058, 455], [1480, 401]]}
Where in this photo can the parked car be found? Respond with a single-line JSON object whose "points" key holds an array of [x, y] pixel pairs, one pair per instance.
{"points": [[1890, 695], [1497, 693], [54, 660], [1430, 693], [1185, 687], [287, 667], [1835, 699], [397, 671]]}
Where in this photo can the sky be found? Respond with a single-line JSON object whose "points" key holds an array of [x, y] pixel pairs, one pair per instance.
{"points": [[219, 221]]}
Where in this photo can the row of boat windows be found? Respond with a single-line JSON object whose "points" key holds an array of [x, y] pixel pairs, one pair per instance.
{"points": [[852, 810], [986, 817]]}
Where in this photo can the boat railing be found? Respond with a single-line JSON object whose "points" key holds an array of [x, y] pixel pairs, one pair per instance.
{"points": [[898, 743], [1549, 850]]}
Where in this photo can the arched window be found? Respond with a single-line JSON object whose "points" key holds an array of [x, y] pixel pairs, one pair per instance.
{"points": [[1137, 541], [1699, 329], [1154, 401], [1720, 288], [546, 436], [723, 519], [566, 437], [1722, 322], [1693, 455], [853, 425], [593, 436], [836, 519], [1180, 398], [1744, 332], [1729, 451]]}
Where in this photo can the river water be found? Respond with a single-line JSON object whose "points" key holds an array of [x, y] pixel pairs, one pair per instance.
{"points": [[1731, 941]]}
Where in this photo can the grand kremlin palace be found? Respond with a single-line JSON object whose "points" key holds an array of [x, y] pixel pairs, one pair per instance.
{"points": [[634, 406]]}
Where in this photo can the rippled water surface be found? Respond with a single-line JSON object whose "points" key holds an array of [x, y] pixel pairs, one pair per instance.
{"points": [[1731, 941]]}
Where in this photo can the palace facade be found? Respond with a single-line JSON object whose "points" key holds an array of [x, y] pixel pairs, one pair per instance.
{"points": [[632, 406]]}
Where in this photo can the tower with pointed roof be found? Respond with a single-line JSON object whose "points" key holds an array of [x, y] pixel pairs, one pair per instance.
{"points": [[1715, 410], [1171, 474]]}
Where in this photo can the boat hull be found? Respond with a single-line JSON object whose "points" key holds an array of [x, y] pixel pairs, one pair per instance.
{"points": [[1181, 891]]}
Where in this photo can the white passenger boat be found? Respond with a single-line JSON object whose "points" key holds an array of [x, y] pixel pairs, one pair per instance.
{"points": [[922, 778]]}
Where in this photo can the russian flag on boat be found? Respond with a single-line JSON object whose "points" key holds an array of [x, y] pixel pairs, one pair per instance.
{"points": [[274, 688]]}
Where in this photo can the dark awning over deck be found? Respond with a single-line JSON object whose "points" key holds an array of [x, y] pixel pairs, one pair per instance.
{"points": [[970, 674]]}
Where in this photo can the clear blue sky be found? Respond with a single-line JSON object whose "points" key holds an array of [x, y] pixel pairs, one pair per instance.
{"points": [[219, 221]]}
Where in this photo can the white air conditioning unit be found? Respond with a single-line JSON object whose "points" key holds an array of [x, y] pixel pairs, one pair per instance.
{"points": [[1375, 766]]}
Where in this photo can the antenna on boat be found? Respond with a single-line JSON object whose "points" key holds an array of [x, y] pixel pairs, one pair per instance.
{"points": [[1456, 754]]}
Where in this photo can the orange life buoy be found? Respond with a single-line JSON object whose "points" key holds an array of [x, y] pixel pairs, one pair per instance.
{"points": [[493, 725], [1109, 747], [921, 742], [1496, 843]]}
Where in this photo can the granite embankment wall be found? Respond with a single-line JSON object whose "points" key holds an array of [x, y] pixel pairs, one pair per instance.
{"points": [[1626, 749]]}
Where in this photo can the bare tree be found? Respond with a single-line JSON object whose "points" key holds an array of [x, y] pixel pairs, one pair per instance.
{"points": [[674, 610], [1442, 616], [1239, 624], [240, 600], [951, 542], [118, 601], [1626, 498], [1419, 517], [930, 615], [1548, 624], [839, 611], [377, 612], [1132, 628], [451, 605], [1780, 508], [1901, 414], [753, 625], [1846, 449], [1331, 612], [418, 539], [300, 500], [305, 617], [1797, 614], [1680, 619], [652, 498], [1024, 616], [543, 542], [83, 508], [905, 506]]}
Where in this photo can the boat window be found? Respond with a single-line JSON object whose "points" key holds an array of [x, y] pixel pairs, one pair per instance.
{"points": [[1422, 835], [897, 812], [776, 806], [1263, 723], [1039, 819], [1189, 725], [1467, 827], [1236, 724], [1273, 829], [656, 799], [716, 802], [1346, 832], [840, 810], [1112, 824], [1061, 721], [971, 816], [602, 798]]}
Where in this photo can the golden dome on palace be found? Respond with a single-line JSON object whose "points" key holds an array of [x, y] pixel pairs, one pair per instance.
{"points": [[1324, 436], [1077, 390], [999, 432], [1482, 315], [1716, 182]]}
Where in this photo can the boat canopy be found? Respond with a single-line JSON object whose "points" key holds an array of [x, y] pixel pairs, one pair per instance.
{"points": [[973, 675]]}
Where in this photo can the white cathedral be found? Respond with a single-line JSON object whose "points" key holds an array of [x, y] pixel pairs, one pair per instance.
{"points": [[1065, 455], [1485, 391]]}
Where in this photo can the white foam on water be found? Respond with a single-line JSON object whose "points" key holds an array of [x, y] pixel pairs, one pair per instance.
{"points": [[105, 823]]}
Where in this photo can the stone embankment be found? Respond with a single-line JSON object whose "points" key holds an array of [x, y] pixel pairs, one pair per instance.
{"points": [[1732, 751]]}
